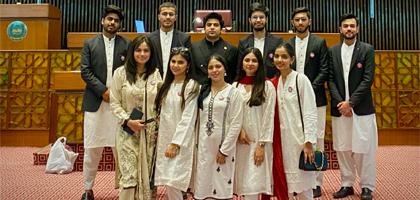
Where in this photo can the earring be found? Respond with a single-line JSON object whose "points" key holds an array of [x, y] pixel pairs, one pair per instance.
{"points": [[208, 76], [187, 71], [225, 74]]}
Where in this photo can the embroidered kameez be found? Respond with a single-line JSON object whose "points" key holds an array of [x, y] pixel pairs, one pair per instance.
{"points": [[213, 180], [135, 152]]}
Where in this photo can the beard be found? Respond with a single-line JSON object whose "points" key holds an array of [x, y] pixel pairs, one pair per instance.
{"points": [[115, 30], [349, 38], [258, 29], [304, 30]]}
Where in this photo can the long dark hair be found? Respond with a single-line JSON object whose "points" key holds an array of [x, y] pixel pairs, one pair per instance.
{"points": [[206, 87], [289, 49], [258, 91], [131, 64], [190, 74]]}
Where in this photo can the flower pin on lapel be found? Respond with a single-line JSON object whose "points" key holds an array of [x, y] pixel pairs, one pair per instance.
{"points": [[270, 56], [179, 93], [152, 82], [312, 55], [225, 47], [122, 58], [359, 65], [221, 98], [290, 89]]}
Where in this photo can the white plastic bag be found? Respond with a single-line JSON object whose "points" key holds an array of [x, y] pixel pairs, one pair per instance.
{"points": [[60, 160]]}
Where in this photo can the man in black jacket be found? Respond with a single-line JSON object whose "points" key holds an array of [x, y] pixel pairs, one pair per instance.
{"points": [[312, 59], [101, 55], [211, 44], [260, 38], [167, 36], [355, 134]]}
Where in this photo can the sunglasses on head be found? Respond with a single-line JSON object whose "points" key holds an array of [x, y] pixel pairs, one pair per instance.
{"points": [[179, 49]]}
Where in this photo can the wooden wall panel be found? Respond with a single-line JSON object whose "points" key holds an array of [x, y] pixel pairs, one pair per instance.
{"points": [[394, 25]]}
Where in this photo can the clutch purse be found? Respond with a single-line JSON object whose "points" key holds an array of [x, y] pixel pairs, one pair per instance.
{"points": [[320, 163], [135, 114]]}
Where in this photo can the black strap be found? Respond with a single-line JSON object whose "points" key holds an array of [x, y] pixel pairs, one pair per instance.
{"points": [[300, 107]]}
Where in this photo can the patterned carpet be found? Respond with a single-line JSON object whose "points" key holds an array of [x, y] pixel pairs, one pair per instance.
{"points": [[398, 177]]}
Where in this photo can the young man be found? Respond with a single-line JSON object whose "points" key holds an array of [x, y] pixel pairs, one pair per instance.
{"points": [[211, 44], [260, 38], [167, 37], [101, 55], [312, 60], [352, 70]]}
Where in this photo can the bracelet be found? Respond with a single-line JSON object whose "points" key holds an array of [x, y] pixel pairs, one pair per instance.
{"points": [[176, 148]]}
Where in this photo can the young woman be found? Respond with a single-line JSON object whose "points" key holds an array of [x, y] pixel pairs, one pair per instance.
{"points": [[254, 157], [177, 100], [293, 139], [219, 126], [135, 87]]}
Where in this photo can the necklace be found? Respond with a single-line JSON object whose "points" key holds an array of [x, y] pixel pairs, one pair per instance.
{"points": [[210, 124]]}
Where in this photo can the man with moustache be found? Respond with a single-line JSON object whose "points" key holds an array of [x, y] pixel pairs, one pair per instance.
{"points": [[101, 55], [312, 59], [355, 134], [211, 44], [260, 38], [167, 37]]}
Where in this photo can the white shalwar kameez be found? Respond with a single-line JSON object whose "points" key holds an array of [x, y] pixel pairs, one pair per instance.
{"points": [[258, 124], [213, 180], [176, 127], [292, 138], [355, 138]]}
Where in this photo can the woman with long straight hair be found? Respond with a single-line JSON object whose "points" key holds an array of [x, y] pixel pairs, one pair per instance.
{"points": [[177, 103], [292, 87], [220, 113], [134, 89], [254, 151]]}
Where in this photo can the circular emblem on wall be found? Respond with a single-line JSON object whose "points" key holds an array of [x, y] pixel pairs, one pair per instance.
{"points": [[16, 31]]}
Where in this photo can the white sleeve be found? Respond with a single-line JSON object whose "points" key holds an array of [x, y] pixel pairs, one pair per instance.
{"points": [[184, 132], [307, 97], [234, 119], [266, 134]]}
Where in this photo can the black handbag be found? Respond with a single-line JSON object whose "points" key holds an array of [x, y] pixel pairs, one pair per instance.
{"points": [[320, 162]]}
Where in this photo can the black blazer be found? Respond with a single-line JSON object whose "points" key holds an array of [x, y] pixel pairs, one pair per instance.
{"points": [[270, 44], [316, 67], [179, 39], [94, 70], [201, 54], [361, 75]]}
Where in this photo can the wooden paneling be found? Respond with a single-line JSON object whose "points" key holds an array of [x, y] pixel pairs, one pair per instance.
{"points": [[75, 40], [33, 101], [29, 138], [394, 26], [68, 80]]}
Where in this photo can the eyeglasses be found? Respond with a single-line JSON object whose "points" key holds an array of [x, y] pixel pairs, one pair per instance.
{"points": [[179, 49], [171, 14], [261, 17]]}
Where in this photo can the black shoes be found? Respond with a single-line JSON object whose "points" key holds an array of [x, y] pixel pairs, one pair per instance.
{"points": [[343, 192], [366, 194], [87, 196], [317, 192]]}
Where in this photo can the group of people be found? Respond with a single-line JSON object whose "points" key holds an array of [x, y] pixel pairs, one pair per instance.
{"points": [[218, 120]]}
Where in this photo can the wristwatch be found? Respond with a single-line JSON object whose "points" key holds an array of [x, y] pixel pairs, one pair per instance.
{"points": [[261, 144], [351, 104]]}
